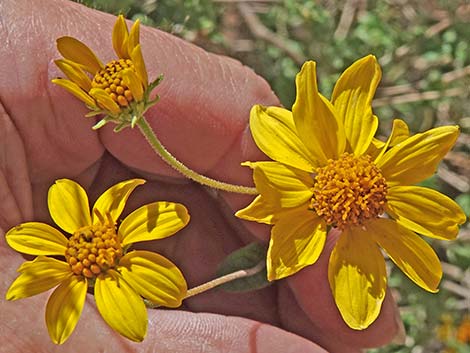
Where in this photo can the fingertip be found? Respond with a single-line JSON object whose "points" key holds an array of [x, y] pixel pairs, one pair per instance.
{"points": [[312, 291], [177, 330], [265, 338]]}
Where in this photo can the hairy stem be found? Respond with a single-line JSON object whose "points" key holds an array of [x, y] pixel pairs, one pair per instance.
{"points": [[225, 279], [159, 149]]}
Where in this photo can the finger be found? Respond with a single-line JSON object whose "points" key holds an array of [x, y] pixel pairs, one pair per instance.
{"points": [[168, 332], [312, 291], [57, 143], [210, 333], [15, 190], [295, 320]]}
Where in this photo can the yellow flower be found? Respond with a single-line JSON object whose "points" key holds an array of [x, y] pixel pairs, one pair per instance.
{"points": [[329, 171], [95, 256], [119, 89]]}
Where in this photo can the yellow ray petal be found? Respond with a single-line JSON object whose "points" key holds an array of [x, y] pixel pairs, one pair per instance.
{"points": [[376, 148], [259, 210], [293, 186], [157, 220], [132, 81], [154, 277], [314, 118], [37, 276], [417, 157], [357, 277], [425, 211], [408, 251], [75, 89], [120, 38], [74, 50], [34, 238], [134, 35], [267, 206], [400, 132], [114, 199], [120, 306], [297, 240], [139, 64], [104, 100], [274, 132], [68, 205], [352, 99], [64, 308], [74, 73]]}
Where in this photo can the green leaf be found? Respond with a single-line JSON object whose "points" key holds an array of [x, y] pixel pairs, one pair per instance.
{"points": [[243, 259]]}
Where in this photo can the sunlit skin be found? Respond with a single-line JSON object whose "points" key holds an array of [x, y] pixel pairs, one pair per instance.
{"points": [[45, 137]]}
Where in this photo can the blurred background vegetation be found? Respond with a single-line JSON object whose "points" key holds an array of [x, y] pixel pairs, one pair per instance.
{"points": [[424, 50]]}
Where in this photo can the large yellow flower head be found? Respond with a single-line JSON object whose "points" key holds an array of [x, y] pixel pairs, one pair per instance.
{"points": [[330, 172], [95, 256], [119, 89]]}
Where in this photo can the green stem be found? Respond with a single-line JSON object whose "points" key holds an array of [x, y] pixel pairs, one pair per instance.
{"points": [[159, 149]]}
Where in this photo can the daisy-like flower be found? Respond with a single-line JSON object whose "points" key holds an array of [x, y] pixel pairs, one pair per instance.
{"points": [[119, 89], [95, 256], [330, 172]]}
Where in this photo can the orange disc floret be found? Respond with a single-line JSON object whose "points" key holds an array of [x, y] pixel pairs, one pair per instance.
{"points": [[349, 191], [110, 79], [93, 249]]}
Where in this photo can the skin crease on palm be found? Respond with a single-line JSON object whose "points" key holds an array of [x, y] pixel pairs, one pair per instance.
{"points": [[202, 118]]}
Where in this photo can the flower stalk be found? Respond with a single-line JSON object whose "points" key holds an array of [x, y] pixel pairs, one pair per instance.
{"points": [[230, 277], [160, 150], [225, 279]]}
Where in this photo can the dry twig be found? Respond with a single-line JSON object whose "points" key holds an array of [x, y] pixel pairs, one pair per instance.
{"points": [[455, 180], [346, 19], [418, 96], [259, 30]]}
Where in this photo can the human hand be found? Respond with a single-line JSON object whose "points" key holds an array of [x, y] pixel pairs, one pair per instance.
{"points": [[202, 119]]}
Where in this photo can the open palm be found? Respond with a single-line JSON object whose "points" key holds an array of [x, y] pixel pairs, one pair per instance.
{"points": [[202, 119]]}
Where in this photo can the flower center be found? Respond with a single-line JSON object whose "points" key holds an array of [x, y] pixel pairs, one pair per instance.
{"points": [[110, 79], [348, 191], [94, 249]]}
